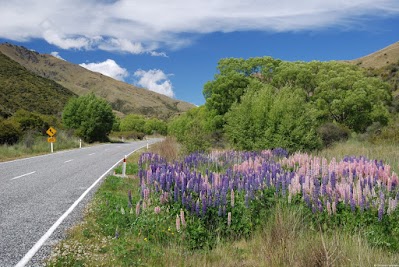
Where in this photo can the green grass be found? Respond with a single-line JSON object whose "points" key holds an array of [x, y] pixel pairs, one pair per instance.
{"points": [[112, 235], [32, 145]]}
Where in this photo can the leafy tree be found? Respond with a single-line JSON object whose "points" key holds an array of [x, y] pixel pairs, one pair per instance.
{"points": [[268, 118], [91, 117], [196, 129], [233, 80], [247, 121], [154, 125], [132, 122]]}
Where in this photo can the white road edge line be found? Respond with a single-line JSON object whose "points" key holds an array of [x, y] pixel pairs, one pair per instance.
{"points": [[68, 161], [28, 256], [26, 174], [92, 154]]}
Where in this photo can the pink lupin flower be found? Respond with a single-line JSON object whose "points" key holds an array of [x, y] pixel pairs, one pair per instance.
{"points": [[177, 223], [334, 207], [329, 211], [183, 220], [228, 218], [232, 198], [157, 210], [138, 208]]}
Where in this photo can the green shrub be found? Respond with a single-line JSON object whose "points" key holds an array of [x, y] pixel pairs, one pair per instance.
{"points": [[9, 132], [332, 132]]}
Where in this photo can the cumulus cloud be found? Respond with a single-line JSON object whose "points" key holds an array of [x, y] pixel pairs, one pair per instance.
{"points": [[57, 55], [155, 80], [109, 68], [148, 26]]}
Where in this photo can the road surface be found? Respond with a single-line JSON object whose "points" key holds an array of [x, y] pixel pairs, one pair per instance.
{"points": [[36, 192]]}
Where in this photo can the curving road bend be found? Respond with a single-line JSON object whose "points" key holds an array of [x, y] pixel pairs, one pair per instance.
{"points": [[38, 196]]}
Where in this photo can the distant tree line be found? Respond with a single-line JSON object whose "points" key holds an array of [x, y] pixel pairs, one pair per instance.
{"points": [[88, 117], [264, 103]]}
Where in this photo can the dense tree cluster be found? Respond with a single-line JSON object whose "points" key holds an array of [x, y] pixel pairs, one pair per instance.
{"points": [[265, 103], [91, 117]]}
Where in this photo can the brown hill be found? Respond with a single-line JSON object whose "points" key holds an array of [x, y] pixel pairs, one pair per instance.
{"points": [[382, 58], [123, 97]]}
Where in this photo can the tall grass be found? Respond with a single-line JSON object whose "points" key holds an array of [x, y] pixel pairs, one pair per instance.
{"points": [[32, 144]]}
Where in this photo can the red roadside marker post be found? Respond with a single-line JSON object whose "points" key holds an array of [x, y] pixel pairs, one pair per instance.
{"points": [[124, 167]]}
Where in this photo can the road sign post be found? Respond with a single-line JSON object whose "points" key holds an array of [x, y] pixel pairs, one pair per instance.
{"points": [[51, 132]]}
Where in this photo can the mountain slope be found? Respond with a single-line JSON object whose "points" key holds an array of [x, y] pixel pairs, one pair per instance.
{"points": [[22, 89], [382, 58], [123, 97], [384, 64]]}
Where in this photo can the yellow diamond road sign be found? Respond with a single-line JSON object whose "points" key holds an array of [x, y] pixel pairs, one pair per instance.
{"points": [[51, 131], [51, 140]]}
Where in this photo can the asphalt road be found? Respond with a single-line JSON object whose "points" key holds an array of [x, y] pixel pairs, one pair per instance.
{"points": [[35, 192]]}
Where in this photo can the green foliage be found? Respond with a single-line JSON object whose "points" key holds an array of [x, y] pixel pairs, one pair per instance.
{"points": [[196, 129], [21, 89], [155, 126], [232, 81], [140, 124], [30, 121], [9, 132], [268, 103], [90, 117], [269, 119], [132, 122], [332, 132]]}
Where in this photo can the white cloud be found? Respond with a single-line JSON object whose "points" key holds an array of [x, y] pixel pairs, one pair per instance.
{"points": [[155, 80], [148, 26], [57, 55], [109, 68]]}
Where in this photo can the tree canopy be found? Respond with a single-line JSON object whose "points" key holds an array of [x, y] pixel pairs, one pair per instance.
{"points": [[267, 103], [91, 117]]}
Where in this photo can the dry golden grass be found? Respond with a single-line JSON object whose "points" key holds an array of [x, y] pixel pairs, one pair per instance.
{"points": [[387, 152], [379, 59]]}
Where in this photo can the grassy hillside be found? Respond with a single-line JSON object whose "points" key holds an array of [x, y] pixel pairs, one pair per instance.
{"points": [[22, 89], [382, 58], [123, 97], [384, 64]]}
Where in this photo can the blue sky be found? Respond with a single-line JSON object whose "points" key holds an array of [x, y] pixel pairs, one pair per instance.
{"points": [[173, 47]]}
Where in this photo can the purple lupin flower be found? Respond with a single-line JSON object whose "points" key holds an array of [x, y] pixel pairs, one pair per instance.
{"points": [[176, 193], [220, 211], [246, 200], [197, 207], [203, 205], [352, 203]]}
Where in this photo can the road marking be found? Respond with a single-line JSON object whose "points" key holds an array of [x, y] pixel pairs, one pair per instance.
{"points": [[92, 154], [28, 256], [68, 161], [26, 174]]}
